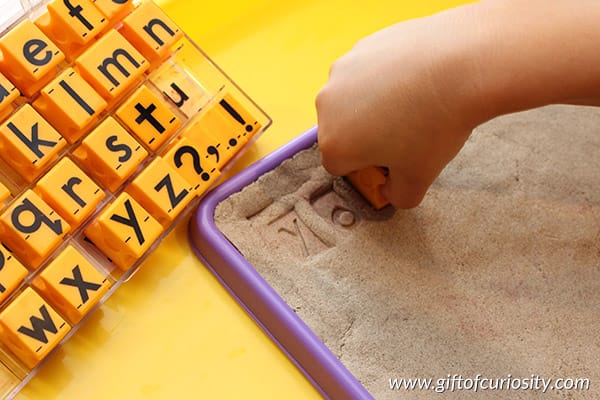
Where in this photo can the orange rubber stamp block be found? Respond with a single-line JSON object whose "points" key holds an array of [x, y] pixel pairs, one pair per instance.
{"points": [[149, 118], [31, 328], [212, 134], [70, 104], [162, 191], [72, 284], [32, 229], [221, 130], [124, 231], [70, 191], [232, 108], [28, 143], [368, 182], [112, 66], [29, 57], [151, 31], [197, 168], [110, 154], [72, 25]]}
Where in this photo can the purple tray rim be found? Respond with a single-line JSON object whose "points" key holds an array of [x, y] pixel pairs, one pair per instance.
{"points": [[319, 365]]}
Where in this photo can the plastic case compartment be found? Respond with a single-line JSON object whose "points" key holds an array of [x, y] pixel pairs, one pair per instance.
{"points": [[183, 69]]}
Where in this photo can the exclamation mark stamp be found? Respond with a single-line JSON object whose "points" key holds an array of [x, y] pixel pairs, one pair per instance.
{"points": [[231, 111]]}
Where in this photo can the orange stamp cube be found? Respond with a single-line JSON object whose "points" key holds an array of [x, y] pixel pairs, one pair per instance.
{"points": [[72, 25], [70, 104], [162, 191], [29, 57], [28, 143], [112, 65], [151, 31], [148, 118], [31, 328], [70, 191], [368, 182], [212, 134], [124, 231], [110, 154], [32, 229], [234, 110], [72, 284], [222, 130], [196, 167]]}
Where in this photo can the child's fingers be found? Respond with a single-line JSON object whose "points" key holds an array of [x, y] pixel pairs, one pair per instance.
{"points": [[341, 158], [340, 166]]}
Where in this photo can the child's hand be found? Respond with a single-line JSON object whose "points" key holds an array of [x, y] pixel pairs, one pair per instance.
{"points": [[394, 101], [408, 97]]}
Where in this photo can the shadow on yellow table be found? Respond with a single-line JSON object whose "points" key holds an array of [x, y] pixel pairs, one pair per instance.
{"points": [[172, 332]]}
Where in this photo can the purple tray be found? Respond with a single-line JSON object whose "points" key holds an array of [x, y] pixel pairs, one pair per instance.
{"points": [[257, 297]]}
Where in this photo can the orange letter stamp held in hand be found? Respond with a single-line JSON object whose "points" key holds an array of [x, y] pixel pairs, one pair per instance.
{"points": [[368, 182]]}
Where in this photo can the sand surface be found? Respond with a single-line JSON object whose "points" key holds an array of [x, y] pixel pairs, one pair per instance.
{"points": [[497, 273]]}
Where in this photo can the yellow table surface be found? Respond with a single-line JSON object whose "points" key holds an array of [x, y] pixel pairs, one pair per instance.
{"points": [[172, 332]]}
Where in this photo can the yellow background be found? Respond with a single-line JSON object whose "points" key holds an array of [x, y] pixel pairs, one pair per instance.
{"points": [[172, 332]]}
